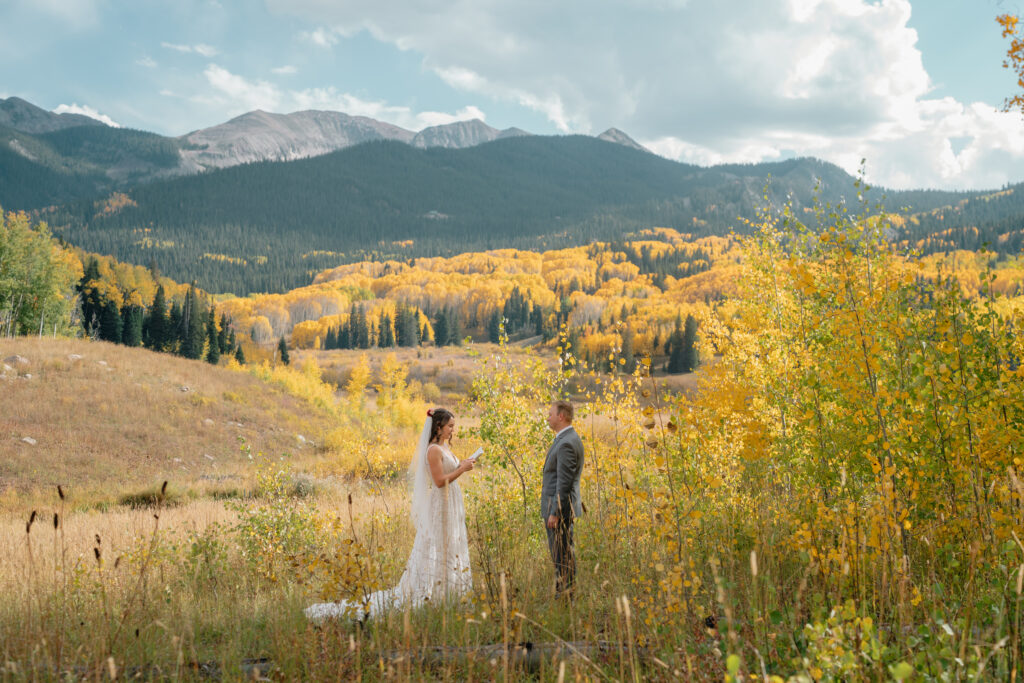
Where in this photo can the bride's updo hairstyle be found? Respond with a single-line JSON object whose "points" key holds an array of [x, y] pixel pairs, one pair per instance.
{"points": [[439, 418]]}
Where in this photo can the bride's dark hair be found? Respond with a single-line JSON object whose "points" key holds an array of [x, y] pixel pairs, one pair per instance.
{"points": [[440, 417]]}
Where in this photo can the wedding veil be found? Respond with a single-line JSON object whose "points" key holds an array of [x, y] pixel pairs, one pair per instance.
{"points": [[420, 473]]}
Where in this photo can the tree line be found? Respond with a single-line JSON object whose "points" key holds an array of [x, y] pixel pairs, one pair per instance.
{"points": [[189, 328]]}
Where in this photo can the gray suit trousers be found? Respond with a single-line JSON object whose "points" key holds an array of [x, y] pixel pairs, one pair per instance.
{"points": [[563, 554]]}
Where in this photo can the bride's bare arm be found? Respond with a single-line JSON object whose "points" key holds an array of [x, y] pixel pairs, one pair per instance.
{"points": [[437, 470]]}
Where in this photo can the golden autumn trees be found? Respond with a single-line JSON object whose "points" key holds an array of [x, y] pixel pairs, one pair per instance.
{"points": [[1014, 61]]}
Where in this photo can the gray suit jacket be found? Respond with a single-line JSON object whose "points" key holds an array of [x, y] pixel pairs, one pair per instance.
{"points": [[560, 491]]}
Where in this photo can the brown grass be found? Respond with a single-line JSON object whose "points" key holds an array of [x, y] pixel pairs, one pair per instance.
{"points": [[449, 368], [121, 419]]}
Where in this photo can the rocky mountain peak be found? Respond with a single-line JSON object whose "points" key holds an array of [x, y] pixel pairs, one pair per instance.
{"points": [[456, 135], [262, 136], [618, 137]]}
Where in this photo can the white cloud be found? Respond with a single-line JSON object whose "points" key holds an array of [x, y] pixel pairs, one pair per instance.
{"points": [[746, 80], [285, 70], [86, 110], [147, 62], [238, 92], [199, 49], [321, 37], [334, 100]]}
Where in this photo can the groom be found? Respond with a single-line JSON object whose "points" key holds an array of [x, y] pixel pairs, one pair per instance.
{"points": [[560, 493]]}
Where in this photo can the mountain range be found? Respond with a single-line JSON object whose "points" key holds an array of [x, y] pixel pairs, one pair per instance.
{"points": [[265, 201], [37, 147]]}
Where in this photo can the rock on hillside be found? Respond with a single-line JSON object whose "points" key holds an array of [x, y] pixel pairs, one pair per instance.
{"points": [[26, 117], [262, 136]]}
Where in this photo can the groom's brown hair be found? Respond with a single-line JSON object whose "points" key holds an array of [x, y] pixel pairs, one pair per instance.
{"points": [[564, 409]]}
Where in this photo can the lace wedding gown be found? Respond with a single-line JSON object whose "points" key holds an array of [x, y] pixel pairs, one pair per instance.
{"points": [[438, 566]]}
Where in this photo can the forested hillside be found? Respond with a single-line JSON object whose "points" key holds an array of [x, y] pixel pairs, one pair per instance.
{"points": [[77, 163], [270, 226]]}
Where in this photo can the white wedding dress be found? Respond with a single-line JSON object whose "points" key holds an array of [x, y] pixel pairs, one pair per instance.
{"points": [[438, 566]]}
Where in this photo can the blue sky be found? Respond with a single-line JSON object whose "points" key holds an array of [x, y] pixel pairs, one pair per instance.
{"points": [[913, 86]]}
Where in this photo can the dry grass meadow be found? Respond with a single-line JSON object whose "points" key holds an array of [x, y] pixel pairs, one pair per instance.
{"points": [[108, 421], [209, 579]]}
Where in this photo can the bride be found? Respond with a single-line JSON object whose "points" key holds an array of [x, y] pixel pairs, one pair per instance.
{"points": [[438, 565]]}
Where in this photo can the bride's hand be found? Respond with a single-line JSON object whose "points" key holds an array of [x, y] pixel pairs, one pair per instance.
{"points": [[466, 465]]}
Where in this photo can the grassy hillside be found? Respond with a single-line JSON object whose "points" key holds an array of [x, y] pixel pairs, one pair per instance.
{"points": [[108, 420]]}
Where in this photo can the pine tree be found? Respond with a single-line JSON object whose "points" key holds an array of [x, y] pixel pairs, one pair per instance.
{"points": [[674, 347], [131, 316], [239, 355], [387, 335], [92, 305], [156, 325], [441, 328], [222, 338], [627, 350], [193, 326], [454, 328], [690, 358], [213, 338], [282, 347], [110, 323], [494, 328], [174, 333]]}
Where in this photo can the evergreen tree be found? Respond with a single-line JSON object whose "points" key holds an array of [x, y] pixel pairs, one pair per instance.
{"points": [[441, 328], [282, 347], [92, 305], [131, 316], [213, 338], [387, 335], [222, 338], [239, 355], [174, 333], [407, 329], [110, 323], [690, 359], [494, 328], [193, 326], [454, 328], [157, 324], [359, 331], [674, 347]]}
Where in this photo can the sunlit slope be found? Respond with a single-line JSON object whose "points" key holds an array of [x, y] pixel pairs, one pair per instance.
{"points": [[109, 419]]}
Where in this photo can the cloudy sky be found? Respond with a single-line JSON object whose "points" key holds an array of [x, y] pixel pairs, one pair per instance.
{"points": [[912, 86]]}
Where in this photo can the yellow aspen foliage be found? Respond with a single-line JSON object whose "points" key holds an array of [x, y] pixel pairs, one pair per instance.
{"points": [[358, 381]]}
